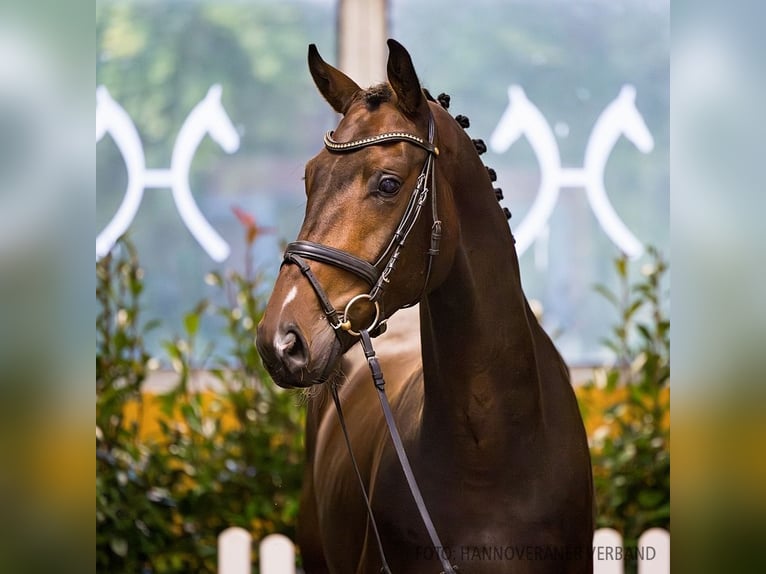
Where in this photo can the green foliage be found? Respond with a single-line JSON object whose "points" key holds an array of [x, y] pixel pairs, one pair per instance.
{"points": [[158, 59], [631, 450], [233, 459]]}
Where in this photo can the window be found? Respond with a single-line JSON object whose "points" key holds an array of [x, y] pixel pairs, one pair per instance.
{"points": [[534, 77], [540, 81], [156, 62]]}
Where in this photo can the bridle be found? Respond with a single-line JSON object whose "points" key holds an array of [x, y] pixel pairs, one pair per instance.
{"points": [[377, 275]]}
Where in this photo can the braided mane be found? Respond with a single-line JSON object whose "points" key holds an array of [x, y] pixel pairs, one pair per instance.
{"points": [[444, 100], [380, 93]]}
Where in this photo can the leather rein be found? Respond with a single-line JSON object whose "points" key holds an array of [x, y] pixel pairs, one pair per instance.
{"points": [[377, 275]]}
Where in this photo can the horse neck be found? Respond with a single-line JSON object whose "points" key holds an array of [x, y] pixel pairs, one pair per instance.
{"points": [[190, 135], [116, 122], [541, 139], [477, 331], [603, 137]]}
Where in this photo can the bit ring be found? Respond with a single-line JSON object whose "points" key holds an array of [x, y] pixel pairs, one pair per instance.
{"points": [[345, 323]]}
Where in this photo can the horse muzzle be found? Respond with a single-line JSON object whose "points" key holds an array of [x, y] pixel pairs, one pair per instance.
{"points": [[291, 360]]}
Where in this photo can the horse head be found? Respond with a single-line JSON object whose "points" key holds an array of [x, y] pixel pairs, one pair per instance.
{"points": [[513, 122], [112, 118], [217, 121], [630, 121], [362, 192]]}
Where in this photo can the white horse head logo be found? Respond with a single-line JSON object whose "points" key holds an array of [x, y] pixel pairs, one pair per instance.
{"points": [[218, 123], [630, 119], [620, 117], [207, 117]]}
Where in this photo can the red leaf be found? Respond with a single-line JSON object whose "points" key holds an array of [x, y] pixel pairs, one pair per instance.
{"points": [[252, 229]]}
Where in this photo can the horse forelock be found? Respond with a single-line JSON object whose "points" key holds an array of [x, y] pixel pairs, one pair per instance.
{"points": [[382, 93], [376, 95]]}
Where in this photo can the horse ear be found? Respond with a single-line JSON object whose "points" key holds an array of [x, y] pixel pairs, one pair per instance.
{"points": [[404, 80], [215, 91], [336, 87]]}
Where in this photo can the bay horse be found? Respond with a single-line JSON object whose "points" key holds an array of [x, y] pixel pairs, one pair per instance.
{"points": [[484, 404]]}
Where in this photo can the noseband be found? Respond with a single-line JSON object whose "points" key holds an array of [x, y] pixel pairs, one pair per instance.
{"points": [[376, 274]]}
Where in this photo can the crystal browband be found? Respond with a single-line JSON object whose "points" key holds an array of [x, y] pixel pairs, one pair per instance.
{"points": [[333, 145]]}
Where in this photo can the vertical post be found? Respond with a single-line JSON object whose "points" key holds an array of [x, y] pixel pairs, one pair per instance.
{"points": [[654, 552], [362, 34], [607, 552], [277, 555], [234, 551]]}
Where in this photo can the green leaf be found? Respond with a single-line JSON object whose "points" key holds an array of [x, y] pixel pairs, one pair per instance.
{"points": [[612, 379], [191, 323], [621, 265], [171, 348], [631, 310], [218, 373], [611, 345], [605, 292], [119, 546], [645, 333], [650, 498], [214, 278]]}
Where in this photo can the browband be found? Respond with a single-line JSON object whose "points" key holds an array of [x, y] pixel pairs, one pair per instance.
{"points": [[353, 145]]}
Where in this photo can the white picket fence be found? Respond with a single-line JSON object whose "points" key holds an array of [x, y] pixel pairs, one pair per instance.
{"points": [[653, 552], [277, 553]]}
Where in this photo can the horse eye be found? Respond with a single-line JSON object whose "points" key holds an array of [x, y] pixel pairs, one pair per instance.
{"points": [[388, 186]]}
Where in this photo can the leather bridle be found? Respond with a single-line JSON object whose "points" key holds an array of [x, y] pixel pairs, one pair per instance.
{"points": [[377, 275]]}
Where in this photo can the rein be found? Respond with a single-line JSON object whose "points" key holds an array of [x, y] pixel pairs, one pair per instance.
{"points": [[298, 251]]}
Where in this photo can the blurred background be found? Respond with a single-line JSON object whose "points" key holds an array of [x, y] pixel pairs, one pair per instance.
{"points": [[158, 60], [47, 190], [208, 107]]}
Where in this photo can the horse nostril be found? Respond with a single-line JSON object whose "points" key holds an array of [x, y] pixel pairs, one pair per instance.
{"points": [[292, 350]]}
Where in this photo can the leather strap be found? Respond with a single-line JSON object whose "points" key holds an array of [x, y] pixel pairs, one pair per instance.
{"points": [[298, 250], [410, 218], [388, 259], [354, 145], [380, 386], [324, 301], [342, 420], [336, 257]]}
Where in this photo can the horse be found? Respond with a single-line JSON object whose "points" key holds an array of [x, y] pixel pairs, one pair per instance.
{"points": [[620, 117], [484, 404], [207, 117]]}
